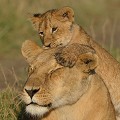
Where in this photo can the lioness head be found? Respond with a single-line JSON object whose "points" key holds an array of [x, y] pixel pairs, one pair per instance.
{"points": [[50, 85], [54, 26]]}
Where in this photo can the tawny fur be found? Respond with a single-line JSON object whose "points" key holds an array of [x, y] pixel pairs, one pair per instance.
{"points": [[75, 93], [69, 33]]}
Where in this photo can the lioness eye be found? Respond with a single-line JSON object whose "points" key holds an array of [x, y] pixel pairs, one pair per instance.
{"points": [[30, 69], [41, 33], [54, 29]]}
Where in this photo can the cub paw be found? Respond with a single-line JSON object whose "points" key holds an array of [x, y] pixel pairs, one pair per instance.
{"points": [[65, 58]]}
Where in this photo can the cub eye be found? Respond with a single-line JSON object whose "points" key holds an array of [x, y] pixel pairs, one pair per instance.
{"points": [[41, 33], [54, 29]]}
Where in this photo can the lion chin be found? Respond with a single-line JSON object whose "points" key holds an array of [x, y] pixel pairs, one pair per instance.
{"points": [[36, 110]]}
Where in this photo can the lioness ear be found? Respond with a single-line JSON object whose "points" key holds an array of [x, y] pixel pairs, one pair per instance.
{"points": [[88, 62], [35, 19], [65, 14], [30, 50]]}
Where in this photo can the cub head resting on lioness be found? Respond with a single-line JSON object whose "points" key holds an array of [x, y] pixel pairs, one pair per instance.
{"points": [[54, 92], [57, 28]]}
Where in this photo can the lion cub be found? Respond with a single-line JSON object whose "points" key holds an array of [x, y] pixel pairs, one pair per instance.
{"points": [[57, 28], [54, 92]]}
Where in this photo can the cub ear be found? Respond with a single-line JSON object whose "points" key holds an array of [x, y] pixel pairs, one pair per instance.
{"points": [[35, 19], [88, 62], [30, 50], [65, 14]]}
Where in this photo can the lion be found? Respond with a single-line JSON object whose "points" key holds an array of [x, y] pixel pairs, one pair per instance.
{"points": [[55, 92], [57, 28]]}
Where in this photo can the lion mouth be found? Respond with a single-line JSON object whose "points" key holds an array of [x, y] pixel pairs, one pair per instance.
{"points": [[45, 105]]}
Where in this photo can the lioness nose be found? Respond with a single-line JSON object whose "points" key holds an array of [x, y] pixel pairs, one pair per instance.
{"points": [[31, 92]]}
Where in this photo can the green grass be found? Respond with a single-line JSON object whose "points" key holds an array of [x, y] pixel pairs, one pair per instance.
{"points": [[9, 104], [100, 19]]}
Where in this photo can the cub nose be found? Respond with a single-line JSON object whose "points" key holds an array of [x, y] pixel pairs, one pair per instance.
{"points": [[32, 92]]}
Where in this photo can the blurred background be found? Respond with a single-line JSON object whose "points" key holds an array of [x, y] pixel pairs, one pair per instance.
{"points": [[100, 18]]}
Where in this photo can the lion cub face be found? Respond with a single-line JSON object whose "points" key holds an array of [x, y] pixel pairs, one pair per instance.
{"points": [[50, 85], [55, 26]]}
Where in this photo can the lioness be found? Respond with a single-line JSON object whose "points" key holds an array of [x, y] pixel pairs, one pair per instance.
{"points": [[57, 28], [54, 92]]}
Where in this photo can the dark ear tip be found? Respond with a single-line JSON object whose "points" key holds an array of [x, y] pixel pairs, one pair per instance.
{"points": [[88, 61], [36, 15]]}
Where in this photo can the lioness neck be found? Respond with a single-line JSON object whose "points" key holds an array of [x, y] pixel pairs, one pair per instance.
{"points": [[82, 109], [108, 68]]}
